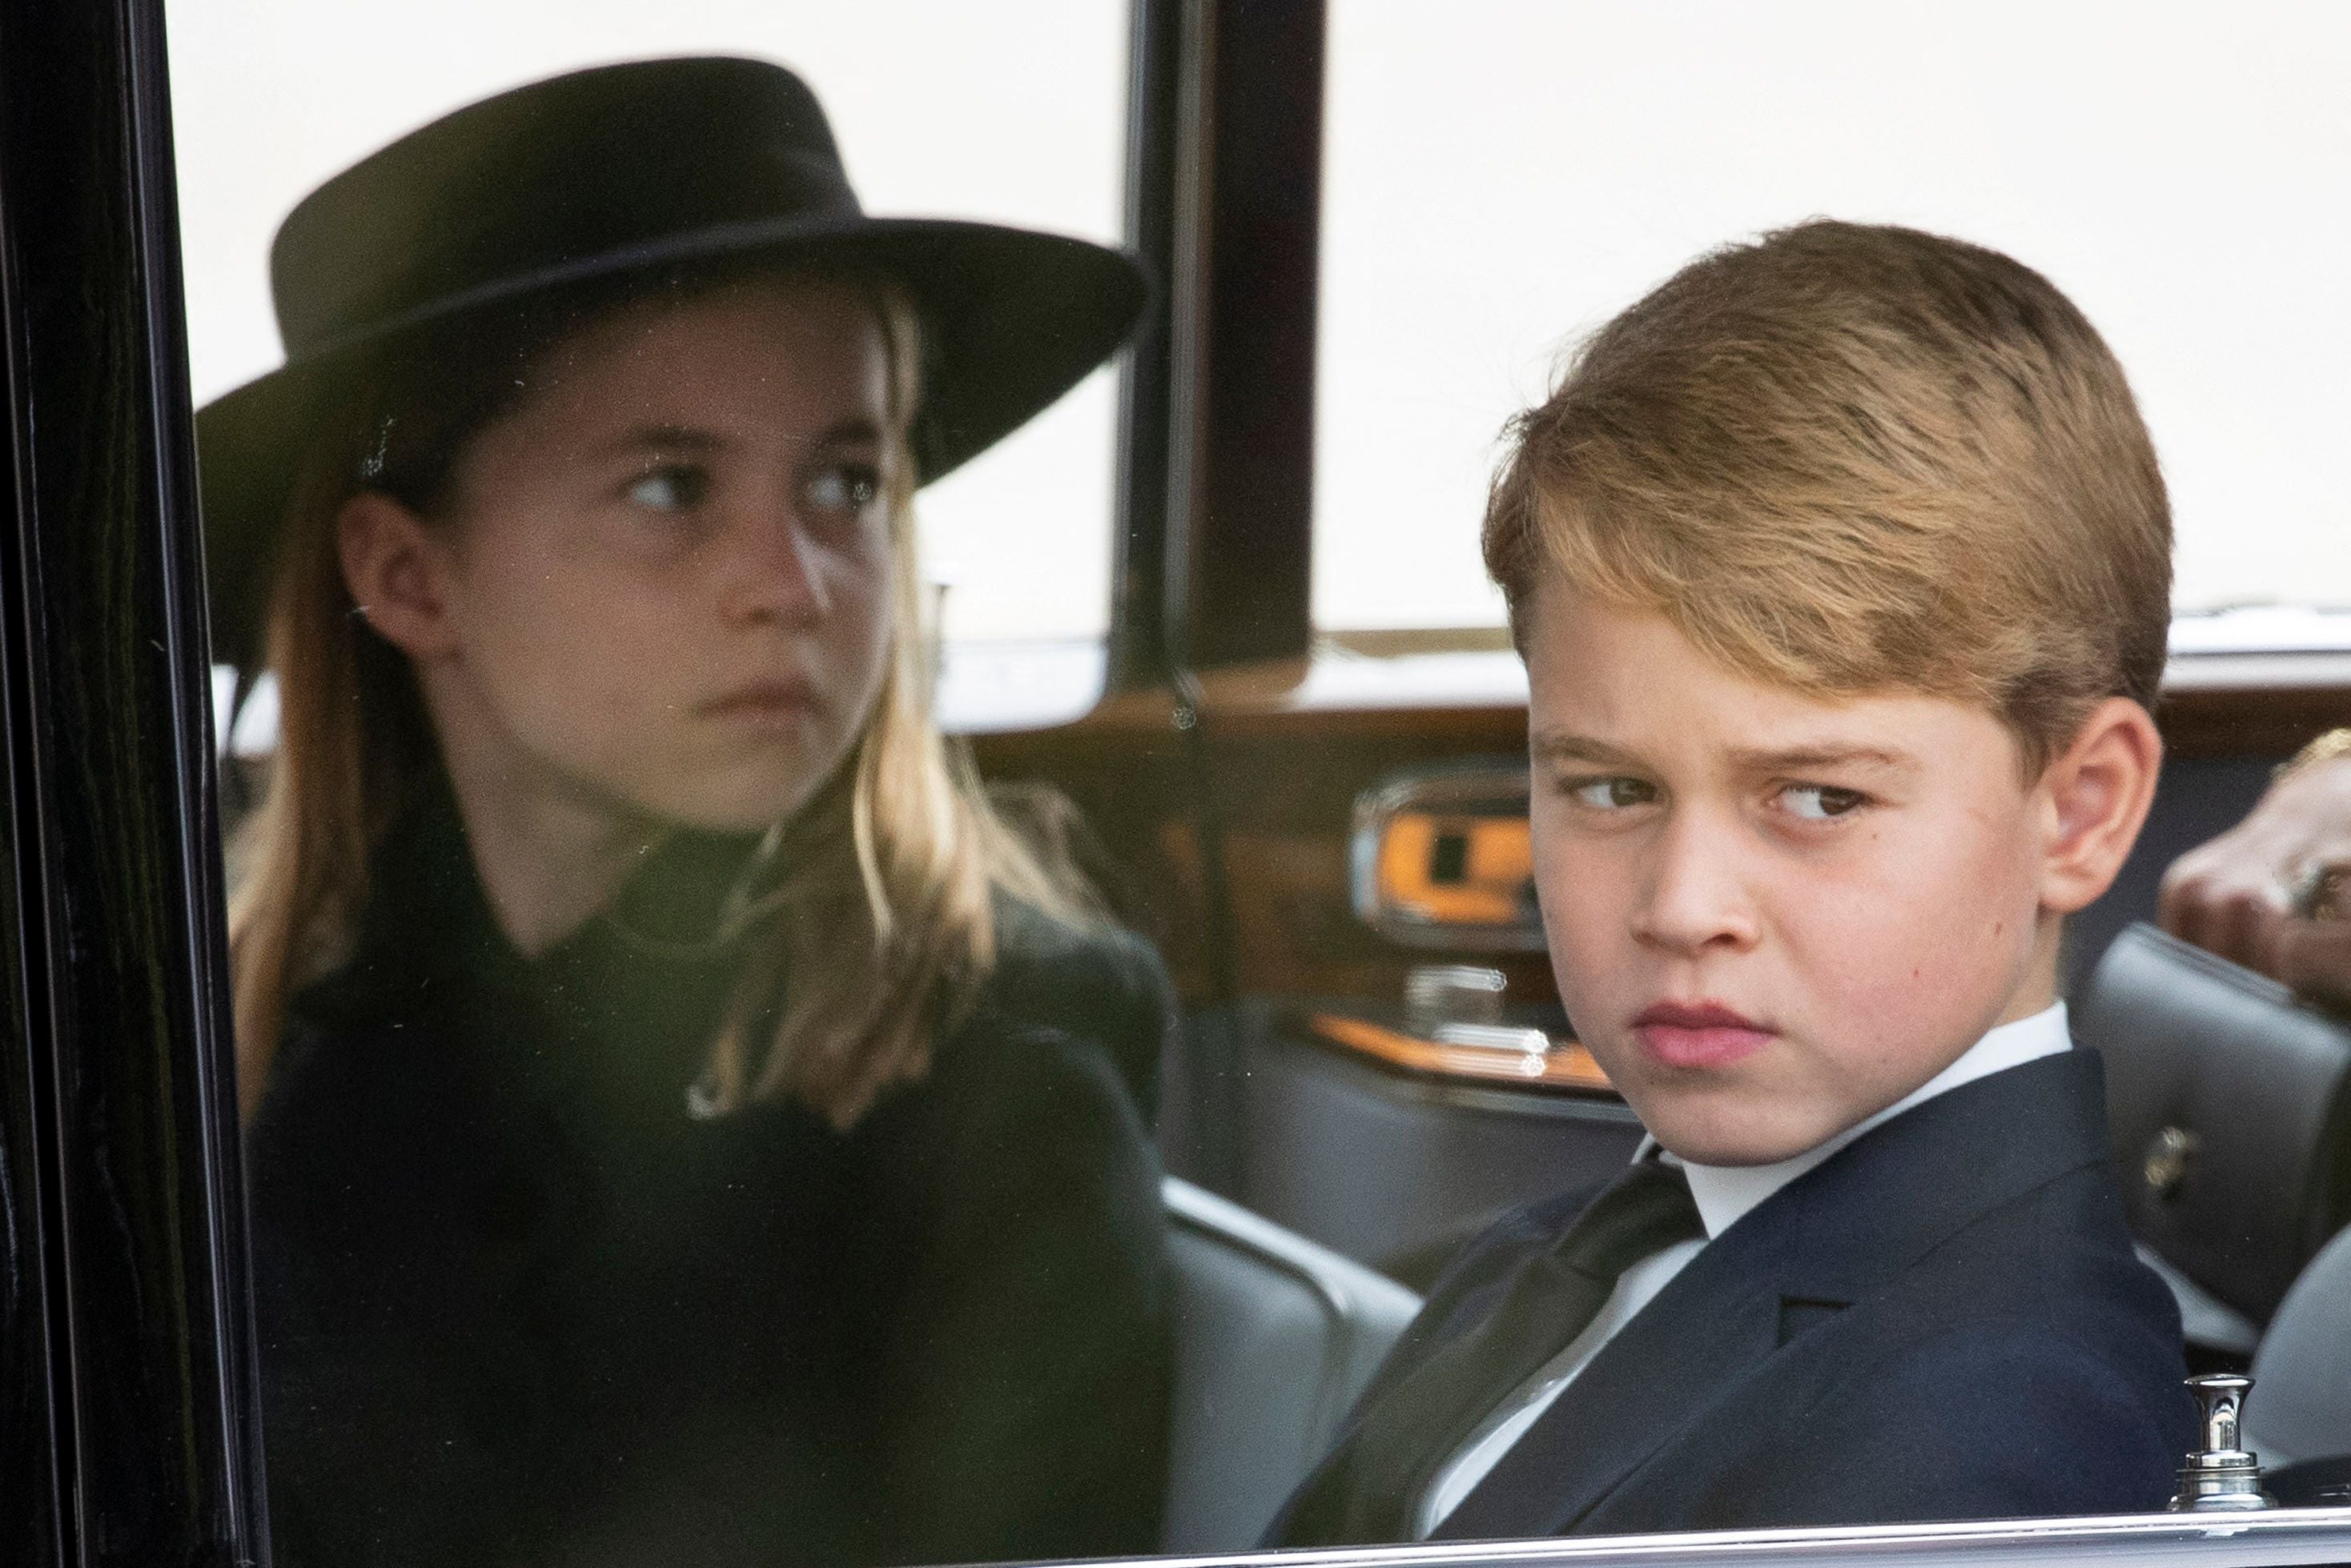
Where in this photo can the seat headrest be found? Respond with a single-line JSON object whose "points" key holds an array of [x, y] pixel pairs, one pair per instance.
{"points": [[2301, 1406], [2231, 1103]]}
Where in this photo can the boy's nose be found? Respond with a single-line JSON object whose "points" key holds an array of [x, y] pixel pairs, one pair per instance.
{"points": [[1696, 896], [773, 571]]}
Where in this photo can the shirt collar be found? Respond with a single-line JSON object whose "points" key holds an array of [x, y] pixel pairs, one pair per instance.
{"points": [[1725, 1193]]}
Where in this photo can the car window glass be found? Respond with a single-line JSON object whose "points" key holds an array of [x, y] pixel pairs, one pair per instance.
{"points": [[757, 1168], [1579, 153], [776, 1179], [940, 111]]}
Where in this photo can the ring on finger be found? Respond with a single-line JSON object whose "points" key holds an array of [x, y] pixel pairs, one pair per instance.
{"points": [[2323, 891]]}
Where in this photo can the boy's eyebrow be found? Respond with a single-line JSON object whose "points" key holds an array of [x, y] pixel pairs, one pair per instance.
{"points": [[1559, 746], [1799, 759]]}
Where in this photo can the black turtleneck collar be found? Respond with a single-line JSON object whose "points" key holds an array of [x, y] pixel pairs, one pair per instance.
{"points": [[630, 1001]]}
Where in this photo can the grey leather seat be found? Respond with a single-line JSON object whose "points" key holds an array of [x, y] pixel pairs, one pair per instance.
{"points": [[1275, 1336], [2301, 1405], [2231, 1104]]}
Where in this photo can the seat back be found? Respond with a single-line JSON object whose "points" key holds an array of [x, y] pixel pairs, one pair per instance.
{"points": [[1275, 1336], [2231, 1111], [2301, 1404]]}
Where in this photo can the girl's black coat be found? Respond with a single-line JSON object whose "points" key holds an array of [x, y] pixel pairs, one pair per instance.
{"points": [[516, 1305]]}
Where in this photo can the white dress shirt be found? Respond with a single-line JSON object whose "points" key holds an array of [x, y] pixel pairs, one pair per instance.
{"points": [[1724, 1194]]}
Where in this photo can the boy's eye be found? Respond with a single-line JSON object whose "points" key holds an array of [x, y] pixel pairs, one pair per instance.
{"points": [[845, 487], [1612, 794], [672, 488], [1819, 802]]}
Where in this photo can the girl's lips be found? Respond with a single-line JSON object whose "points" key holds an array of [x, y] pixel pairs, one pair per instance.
{"points": [[767, 704], [1698, 1035]]}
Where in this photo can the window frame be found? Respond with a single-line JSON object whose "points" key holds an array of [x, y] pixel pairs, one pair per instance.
{"points": [[1246, 264], [141, 1441], [129, 1405]]}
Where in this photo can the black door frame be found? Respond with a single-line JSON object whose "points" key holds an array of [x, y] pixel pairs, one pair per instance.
{"points": [[126, 1393]]}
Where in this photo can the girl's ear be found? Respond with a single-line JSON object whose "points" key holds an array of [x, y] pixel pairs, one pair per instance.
{"points": [[397, 569], [2098, 791]]}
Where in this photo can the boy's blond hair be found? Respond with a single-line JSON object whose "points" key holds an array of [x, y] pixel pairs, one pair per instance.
{"points": [[1850, 459]]}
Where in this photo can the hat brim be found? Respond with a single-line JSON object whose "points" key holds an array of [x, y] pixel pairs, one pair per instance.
{"points": [[1012, 318]]}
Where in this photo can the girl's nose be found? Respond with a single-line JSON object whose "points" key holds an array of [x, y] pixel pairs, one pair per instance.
{"points": [[773, 571], [1697, 895]]}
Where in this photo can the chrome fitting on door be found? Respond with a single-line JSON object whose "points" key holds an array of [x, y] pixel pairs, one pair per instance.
{"points": [[2222, 1477]]}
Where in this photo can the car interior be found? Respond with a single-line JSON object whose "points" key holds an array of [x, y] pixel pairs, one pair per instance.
{"points": [[1380, 1091], [1323, 829], [1391, 1070]]}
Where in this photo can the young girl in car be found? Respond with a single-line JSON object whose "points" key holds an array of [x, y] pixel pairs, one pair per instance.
{"points": [[684, 1124]]}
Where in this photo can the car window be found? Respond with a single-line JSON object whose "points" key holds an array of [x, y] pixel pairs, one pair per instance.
{"points": [[779, 1182], [596, 408], [1579, 152], [270, 96]]}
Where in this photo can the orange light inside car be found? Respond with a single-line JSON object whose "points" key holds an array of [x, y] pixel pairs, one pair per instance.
{"points": [[1456, 869]]}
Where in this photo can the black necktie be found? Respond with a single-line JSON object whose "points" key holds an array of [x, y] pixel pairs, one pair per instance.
{"points": [[1369, 1491]]}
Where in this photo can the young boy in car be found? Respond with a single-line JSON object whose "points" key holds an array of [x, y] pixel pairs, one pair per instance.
{"points": [[1841, 567]]}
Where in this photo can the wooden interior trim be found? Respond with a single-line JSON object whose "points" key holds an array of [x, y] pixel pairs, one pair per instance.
{"points": [[2213, 704], [1568, 1068], [2252, 705], [1275, 755]]}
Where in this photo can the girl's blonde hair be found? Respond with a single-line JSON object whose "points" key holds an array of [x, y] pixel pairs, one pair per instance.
{"points": [[888, 872]]}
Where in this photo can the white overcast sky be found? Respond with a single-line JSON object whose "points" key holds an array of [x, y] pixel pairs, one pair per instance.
{"points": [[1502, 174]]}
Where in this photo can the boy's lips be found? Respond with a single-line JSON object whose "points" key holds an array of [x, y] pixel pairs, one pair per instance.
{"points": [[1699, 1034]]}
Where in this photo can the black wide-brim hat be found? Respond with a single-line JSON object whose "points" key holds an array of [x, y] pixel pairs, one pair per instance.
{"points": [[646, 166]]}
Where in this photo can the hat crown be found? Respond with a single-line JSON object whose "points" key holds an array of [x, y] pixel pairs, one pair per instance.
{"points": [[559, 175], [615, 175]]}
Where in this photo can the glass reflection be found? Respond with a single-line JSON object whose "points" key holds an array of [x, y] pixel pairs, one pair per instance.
{"points": [[684, 1121]]}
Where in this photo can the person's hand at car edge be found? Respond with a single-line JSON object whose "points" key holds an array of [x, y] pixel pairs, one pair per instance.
{"points": [[2273, 893]]}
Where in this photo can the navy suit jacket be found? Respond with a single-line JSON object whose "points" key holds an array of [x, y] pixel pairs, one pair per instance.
{"points": [[1943, 1320]]}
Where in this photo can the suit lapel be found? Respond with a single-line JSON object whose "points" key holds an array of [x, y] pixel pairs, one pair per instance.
{"points": [[1830, 1238], [1699, 1337], [1470, 1289]]}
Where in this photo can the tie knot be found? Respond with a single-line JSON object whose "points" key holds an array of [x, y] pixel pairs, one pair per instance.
{"points": [[1647, 1210]]}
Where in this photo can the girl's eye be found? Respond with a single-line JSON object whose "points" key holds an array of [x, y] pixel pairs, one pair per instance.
{"points": [[1819, 802], [672, 488], [845, 487], [1612, 794]]}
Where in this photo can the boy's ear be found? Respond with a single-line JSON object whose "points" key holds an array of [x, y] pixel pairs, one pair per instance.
{"points": [[2097, 793], [397, 569]]}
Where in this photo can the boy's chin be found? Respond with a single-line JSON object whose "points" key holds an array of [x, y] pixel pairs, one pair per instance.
{"points": [[1717, 1129]]}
